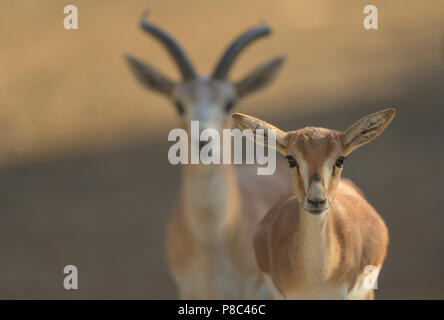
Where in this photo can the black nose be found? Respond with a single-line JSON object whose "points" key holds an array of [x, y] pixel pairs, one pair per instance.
{"points": [[317, 201]]}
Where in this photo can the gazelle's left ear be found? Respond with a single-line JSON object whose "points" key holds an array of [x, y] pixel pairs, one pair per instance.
{"points": [[259, 77], [366, 129], [248, 122], [149, 76]]}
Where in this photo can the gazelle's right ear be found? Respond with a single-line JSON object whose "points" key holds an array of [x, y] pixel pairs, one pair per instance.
{"points": [[248, 122], [149, 77]]}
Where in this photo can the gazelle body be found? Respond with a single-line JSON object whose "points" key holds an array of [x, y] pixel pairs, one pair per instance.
{"points": [[209, 238], [210, 233], [322, 239]]}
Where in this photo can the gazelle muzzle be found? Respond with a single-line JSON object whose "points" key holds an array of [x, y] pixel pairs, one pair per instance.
{"points": [[316, 198]]}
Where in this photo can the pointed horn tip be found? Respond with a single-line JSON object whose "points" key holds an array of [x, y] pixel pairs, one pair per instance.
{"points": [[144, 18], [265, 26]]}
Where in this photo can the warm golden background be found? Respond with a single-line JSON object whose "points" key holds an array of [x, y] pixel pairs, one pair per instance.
{"points": [[84, 177]]}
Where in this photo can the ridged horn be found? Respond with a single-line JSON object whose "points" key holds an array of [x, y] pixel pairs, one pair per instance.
{"points": [[173, 48], [225, 63]]}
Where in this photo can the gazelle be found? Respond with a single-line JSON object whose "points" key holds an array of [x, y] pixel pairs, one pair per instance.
{"points": [[209, 236], [322, 239]]}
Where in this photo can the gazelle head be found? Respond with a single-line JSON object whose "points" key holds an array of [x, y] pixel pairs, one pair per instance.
{"points": [[316, 155], [207, 99]]}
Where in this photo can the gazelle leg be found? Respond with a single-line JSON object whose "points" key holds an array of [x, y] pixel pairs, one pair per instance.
{"points": [[370, 295]]}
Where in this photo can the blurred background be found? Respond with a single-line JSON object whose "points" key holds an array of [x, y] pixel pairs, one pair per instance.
{"points": [[84, 176]]}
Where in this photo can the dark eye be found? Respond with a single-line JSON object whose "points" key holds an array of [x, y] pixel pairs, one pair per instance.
{"points": [[229, 105], [291, 161], [340, 162], [179, 107]]}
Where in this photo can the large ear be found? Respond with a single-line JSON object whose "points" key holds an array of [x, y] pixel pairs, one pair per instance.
{"points": [[245, 122], [366, 129], [149, 77], [259, 77]]}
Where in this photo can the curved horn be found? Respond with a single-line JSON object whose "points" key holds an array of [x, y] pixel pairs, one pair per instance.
{"points": [[173, 48], [236, 47]]}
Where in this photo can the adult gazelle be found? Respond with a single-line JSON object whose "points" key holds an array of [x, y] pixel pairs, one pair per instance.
{"points": [[322, 239], [209, 236]]}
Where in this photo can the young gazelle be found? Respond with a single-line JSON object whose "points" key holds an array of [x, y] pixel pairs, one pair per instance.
{"points": [[209, 236], [321, 240]]}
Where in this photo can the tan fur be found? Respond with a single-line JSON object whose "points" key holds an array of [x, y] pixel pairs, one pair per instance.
{"points": [[209, 249], [358, 237], [306, 253]]}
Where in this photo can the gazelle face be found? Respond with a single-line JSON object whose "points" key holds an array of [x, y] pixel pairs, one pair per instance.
{"points": [[205, 100], [316, 155]]}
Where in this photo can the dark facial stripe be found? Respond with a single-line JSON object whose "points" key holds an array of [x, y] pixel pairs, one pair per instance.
{"points": [[315, 177]]}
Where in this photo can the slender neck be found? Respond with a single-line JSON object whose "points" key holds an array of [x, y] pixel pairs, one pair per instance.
{"points": [[211, 199], [314, 245]]}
